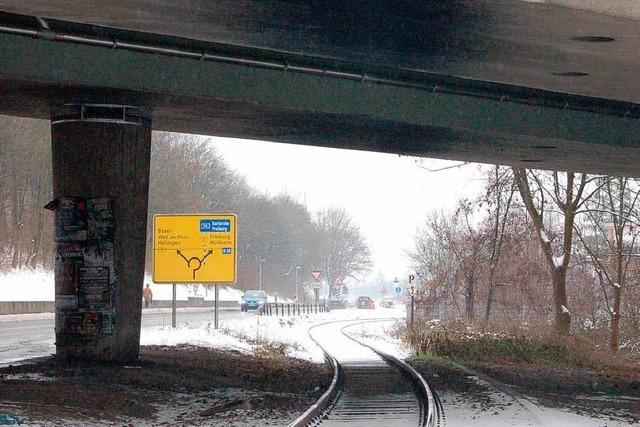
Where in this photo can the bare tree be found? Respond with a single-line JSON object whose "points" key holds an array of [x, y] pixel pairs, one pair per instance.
{"points": [[561, 194], [25, 186], [343, 247], [436, 264], [500, 191], [467, 244], [449, 256], [609, 237]]}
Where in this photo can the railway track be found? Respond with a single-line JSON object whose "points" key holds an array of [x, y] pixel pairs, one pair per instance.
{"points": [[369, 387]]}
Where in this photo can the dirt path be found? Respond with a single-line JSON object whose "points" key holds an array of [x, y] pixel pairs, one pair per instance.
{"points": [[176, 386], [490, 394]]}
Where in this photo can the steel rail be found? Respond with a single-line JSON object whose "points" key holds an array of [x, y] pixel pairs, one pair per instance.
{"points": [[327, 397], [433, 409], [431, 413]]}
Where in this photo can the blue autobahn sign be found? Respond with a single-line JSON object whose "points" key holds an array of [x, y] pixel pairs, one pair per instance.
{"points": [[215, 225]]}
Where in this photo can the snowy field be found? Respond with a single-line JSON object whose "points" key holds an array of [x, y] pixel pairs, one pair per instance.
{"points": [[379, 336], [27, 285], [249, 334], [38, 285]]}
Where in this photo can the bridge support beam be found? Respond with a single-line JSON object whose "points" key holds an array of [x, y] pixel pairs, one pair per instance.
{"points": [[101, 159]]}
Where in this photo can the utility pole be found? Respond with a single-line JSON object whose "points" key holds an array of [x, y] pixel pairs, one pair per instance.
{"points": [[297, 268], [173, 307], [215, 316], [412, 293], [260, 261]]}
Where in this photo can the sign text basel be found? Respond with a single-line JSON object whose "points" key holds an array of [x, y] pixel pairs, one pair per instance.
{"points": [[194, 248]]}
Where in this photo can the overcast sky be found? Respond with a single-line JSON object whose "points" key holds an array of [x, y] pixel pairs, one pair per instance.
{"points": [[388, 196]]}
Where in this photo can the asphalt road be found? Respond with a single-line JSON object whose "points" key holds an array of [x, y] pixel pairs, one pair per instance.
{"points": [[28, 337]]}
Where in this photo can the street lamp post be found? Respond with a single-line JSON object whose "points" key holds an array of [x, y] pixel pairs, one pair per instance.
{"points": [[260, 260], [260, 251], [297, 268]]}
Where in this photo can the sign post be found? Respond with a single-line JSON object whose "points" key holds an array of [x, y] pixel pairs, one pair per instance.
{"points": [[412, 294], [173, 307], [316, 285], [194, 249], [337, 286], [215, 318]]}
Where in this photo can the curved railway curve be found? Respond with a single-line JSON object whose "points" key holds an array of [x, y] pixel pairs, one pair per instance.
{"points": [[369, 388]]}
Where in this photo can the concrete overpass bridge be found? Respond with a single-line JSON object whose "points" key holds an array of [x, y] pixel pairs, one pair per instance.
{"points": [[528, 83]]}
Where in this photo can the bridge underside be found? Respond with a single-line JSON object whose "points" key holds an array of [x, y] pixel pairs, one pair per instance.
{"points": [[502, 81]]}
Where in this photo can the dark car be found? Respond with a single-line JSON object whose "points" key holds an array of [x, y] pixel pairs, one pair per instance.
{"points": [[365, 302], [337, 303], [253, 299]]}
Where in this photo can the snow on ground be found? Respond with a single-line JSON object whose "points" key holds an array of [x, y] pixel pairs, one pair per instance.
{"points": [[38, 285], [497, 407], [205, 337], [379, 336], [494, 404], [26, 285], [559, 417], [247, 334]]}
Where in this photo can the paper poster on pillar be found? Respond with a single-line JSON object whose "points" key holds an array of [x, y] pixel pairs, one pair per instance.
{"points": [[70, 219], [69, 258], [85, 273]]}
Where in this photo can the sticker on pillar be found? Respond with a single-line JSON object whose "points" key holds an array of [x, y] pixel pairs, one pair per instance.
{"points": [[78, 328], [84, 269], [66, 302], [70, 219], [194, 248], [94, 293], [69, 258]]}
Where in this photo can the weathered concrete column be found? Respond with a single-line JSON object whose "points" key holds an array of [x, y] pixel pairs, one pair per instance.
{"points": [[101, 159]]}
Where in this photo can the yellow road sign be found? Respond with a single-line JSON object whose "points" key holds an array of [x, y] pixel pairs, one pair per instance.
{"points": [[194, 248]]}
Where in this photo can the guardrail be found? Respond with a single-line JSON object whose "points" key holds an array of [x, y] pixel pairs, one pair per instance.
{"points": [[289, 309], [29, 307], [24, 307]]}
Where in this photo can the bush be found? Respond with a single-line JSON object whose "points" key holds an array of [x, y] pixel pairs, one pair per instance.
{"points": [[463, 341]]}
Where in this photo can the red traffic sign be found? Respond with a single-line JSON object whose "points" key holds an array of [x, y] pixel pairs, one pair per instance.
{"points": [[383, 291], [338, 280], [316, 274]]}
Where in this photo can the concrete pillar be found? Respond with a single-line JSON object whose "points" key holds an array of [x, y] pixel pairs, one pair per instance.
{"points": [[101, 159]]}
